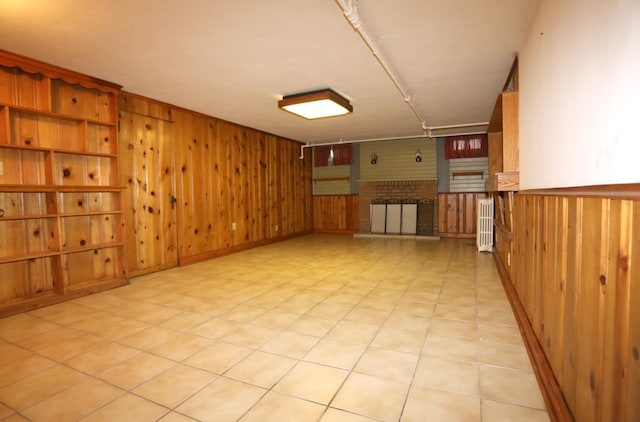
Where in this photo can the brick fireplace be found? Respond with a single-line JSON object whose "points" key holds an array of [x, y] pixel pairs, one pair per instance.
{"points": [[395, 190]]}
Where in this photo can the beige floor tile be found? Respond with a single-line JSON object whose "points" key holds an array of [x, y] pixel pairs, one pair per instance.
{"points": [[463, 313], [450, 375], [314, 382], [337, 415], [493, 411], [313, 326], [148, 338], [354, 332], [378, 303], [110, 327], [371, 396], [218, 357], [504, 355], [261, 369], [418, 309], [102, 357], [23, 367], [509, 386], [149, 313], [336, 353], [222, 400], [10, 352], [428, 404], [67, 349], [135, 371], [5, 412], [44, 384], [495, 316], [451, 328], [251, 336], [399, 340], [129, 407], [73, 403], [215, 328], [175, 385], [328, 310], [451, 348], [243, 313], [175, 417], [406, 321], [275, 319], [278, 407], [367, 316], [388, 364], [181, 347], [290, 344], [500, 334], [185, 321], [20, 326], [344, 298], [48, 338]]}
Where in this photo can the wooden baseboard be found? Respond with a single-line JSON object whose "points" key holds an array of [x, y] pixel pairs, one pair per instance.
{"points": [[458, 235], [551, 391], [328, 231], [227, 251]]}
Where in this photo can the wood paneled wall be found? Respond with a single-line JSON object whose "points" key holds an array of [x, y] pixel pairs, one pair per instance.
{"points": [[336, 213], [457, 216], [573, 272], [234, 187]]}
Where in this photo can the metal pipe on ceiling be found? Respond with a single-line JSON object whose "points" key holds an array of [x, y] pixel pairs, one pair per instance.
{"points": [[360, 141], [351, 13]]}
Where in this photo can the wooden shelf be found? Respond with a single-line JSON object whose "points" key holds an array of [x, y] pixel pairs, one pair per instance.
{"points": [[59, 150], [92, 247], [27, 257], [58, 116], [331, 179], [59, 188]]}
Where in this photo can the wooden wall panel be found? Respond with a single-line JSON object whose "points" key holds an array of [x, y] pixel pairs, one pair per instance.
{"points": [[457, 214], [147, 172], [336, 213], [236, 187], [574, 277]]}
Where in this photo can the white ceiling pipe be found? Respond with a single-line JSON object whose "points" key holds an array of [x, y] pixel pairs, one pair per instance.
{"points": [[360, 141], [350, 11]]}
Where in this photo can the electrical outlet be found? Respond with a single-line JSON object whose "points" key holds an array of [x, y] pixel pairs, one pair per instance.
{"points": [[233, 226]]}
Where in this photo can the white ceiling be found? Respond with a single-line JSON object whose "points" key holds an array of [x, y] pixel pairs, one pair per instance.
{"points": [[235, 59]]}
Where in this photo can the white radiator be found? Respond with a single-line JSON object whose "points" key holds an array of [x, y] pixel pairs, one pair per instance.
{"points": [[484, 239]]}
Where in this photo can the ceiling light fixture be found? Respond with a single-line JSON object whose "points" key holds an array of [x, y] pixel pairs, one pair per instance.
{"points": [[316, 104]]}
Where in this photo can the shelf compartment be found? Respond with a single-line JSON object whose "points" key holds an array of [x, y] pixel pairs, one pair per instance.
{"points": [[93, 266], [75, 100], [28, 238], [24, 167], [89, 202], [27, 205], [102, 139], [36, 130], [85, 232], [24, 89], [84, 170], [24, 279]]}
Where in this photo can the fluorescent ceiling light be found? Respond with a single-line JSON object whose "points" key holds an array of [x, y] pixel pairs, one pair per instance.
{"points": [[316, 104]]}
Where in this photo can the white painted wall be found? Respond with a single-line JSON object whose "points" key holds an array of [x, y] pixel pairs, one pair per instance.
{"points": [[580, 94]]}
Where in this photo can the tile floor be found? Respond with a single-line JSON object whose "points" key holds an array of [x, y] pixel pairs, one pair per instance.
{"points": [[321, 327]]}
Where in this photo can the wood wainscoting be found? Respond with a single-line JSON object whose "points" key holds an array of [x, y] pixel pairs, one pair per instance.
{"points": [[335, 214], [457, 215], [578, 293]]}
